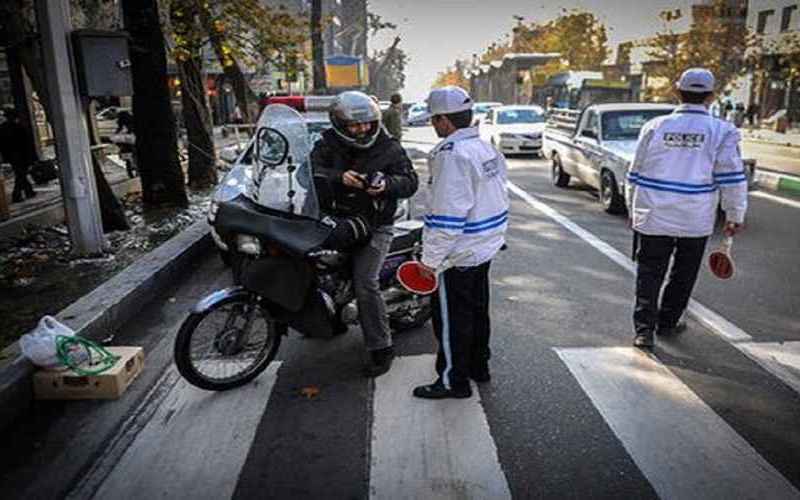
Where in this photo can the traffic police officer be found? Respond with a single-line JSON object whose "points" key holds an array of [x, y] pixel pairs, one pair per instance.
{"points": [[684, 163], [467, 217]]}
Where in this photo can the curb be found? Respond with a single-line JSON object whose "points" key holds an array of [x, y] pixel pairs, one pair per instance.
{"points": [[779, 183], [96, 315]]}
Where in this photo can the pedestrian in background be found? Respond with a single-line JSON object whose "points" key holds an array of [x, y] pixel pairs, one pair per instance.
{"points": [[467, 216], [393, 117], [16, 149], [684, 163]]}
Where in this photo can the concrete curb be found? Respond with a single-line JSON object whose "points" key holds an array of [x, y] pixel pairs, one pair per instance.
{"points": [[779, 183], [97, 315]]}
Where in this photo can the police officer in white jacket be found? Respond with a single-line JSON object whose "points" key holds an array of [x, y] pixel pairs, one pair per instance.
{"points": [[684, 163], [466, 222]]}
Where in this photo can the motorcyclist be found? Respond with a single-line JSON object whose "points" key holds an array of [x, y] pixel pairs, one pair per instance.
{"points": [[367, 171]]}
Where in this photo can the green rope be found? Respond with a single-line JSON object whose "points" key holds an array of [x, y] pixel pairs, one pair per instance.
{"points": [[99, 357]]}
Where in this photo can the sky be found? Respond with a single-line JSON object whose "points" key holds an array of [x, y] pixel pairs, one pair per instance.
{"points": [[435, 33]]}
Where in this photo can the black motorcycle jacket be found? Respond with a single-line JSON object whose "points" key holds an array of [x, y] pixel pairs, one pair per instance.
{"points": [[331, 158]]}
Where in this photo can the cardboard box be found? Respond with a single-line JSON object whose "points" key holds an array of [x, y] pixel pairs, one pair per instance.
{"points": [[107, 385]]}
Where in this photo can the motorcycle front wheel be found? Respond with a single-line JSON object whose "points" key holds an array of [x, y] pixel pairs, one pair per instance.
{"points": [[227, 345]]}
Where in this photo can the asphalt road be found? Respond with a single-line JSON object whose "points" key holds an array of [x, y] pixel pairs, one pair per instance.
{"points": [[572, 411]]}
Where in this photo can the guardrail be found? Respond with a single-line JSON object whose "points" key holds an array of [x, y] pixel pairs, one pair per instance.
{"points": [[563, 119]]}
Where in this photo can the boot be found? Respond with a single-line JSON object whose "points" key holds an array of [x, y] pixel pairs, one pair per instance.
{"points": [[380, 360]]}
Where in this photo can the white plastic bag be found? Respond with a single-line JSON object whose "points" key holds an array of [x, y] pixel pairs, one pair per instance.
{"points": [[39, 346]]}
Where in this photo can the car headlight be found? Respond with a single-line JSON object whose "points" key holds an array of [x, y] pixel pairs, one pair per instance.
{"points": [[508, 136], [248, 244], [213, 208]]}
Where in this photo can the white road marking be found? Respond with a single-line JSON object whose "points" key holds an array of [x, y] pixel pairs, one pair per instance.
{"points": [[777, 199], [430, 449], [194, 445], [704, 315], [780, 358], [685, 450]]}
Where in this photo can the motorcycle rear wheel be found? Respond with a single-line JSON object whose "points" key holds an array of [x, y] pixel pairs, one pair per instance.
{"points": [[227, 345]]}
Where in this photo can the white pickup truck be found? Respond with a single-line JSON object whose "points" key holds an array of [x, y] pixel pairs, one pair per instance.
{"points": [[597, 145]]}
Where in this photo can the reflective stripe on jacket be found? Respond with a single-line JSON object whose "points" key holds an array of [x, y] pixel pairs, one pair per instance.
{"points": [[468, 206], [684, 163]]}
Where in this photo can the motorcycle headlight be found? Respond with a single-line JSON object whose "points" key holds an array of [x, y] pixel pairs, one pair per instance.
{"points": [[213, 208], [247, 244]]}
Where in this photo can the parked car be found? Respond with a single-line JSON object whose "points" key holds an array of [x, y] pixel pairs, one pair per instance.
{"points": [[416, 115], [480, 109], [597, 145], [514, 129]]}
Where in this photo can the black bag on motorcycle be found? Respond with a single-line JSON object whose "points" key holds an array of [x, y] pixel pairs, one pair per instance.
{"points": [[283, 280]]}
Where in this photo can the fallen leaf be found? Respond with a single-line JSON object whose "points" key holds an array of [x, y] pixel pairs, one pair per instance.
{"points": [[309, 392]]}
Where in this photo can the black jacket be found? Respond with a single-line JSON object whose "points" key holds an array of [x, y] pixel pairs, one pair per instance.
{"points": [[332, 157]]}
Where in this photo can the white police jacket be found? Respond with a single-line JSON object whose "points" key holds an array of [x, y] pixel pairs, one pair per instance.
{"points": [[468, 205], [684, 162]]}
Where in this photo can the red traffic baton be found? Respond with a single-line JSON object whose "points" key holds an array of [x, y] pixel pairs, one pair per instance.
{"points": [[720, 261], [411, 276]]}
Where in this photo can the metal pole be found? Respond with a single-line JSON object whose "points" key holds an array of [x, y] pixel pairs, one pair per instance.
{"points": [[78, 186]]}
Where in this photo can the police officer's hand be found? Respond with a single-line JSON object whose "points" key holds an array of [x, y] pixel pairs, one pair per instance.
{"points": [[732, 228], [353, 179]]}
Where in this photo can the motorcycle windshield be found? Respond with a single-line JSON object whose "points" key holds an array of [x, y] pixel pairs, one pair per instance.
{"points": [[283, 179]]}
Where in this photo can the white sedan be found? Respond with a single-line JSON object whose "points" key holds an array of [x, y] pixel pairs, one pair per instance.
{"points": [[514, 129]]}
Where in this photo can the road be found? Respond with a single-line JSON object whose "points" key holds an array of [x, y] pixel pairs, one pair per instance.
{"points": [[780, 158], [572, 410]]}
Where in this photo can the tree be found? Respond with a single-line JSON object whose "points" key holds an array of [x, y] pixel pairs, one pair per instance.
{"points": [[188, 55], [317, 48], [156, 135], [247, 32], [386, 67], [718, 39], [452, 76]]}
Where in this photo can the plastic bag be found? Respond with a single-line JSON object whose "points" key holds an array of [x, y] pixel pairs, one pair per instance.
{"points": [[39, 346]]}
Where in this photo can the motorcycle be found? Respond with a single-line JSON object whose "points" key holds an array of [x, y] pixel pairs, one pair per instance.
{"points": [[287, 274]]}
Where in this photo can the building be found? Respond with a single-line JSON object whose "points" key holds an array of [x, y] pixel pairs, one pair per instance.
{"points": [[510, 80], [775, 85]]}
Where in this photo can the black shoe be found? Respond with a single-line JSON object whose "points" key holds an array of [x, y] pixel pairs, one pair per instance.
{"points": [[481, 375], [437, 390], [668, 331], [380, 360], [644, 340]]}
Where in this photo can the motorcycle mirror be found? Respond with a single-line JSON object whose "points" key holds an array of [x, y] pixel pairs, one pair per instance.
{"points": [[272, 147]]}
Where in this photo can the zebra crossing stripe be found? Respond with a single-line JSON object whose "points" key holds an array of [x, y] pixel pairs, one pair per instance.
{"points": [[430, 449], [193, 446], [683, 448], [782, 359]]}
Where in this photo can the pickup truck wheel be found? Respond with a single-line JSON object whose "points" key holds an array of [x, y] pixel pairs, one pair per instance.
{"points": [[560, 178], [609, 194]]}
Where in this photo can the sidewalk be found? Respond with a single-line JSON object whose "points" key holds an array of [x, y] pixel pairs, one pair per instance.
{"points": [[766, 136]]}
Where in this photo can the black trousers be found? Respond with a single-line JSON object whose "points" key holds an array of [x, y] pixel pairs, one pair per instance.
{"points": [[653, 256], [461, 323], [21, 183]]}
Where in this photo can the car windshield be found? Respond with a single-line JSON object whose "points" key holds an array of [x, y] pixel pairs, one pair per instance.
{"points": [[625, 125], [519, 116], [483, 108]]}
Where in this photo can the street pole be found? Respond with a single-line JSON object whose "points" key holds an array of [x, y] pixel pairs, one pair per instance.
{"points": [[78, 186]]}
